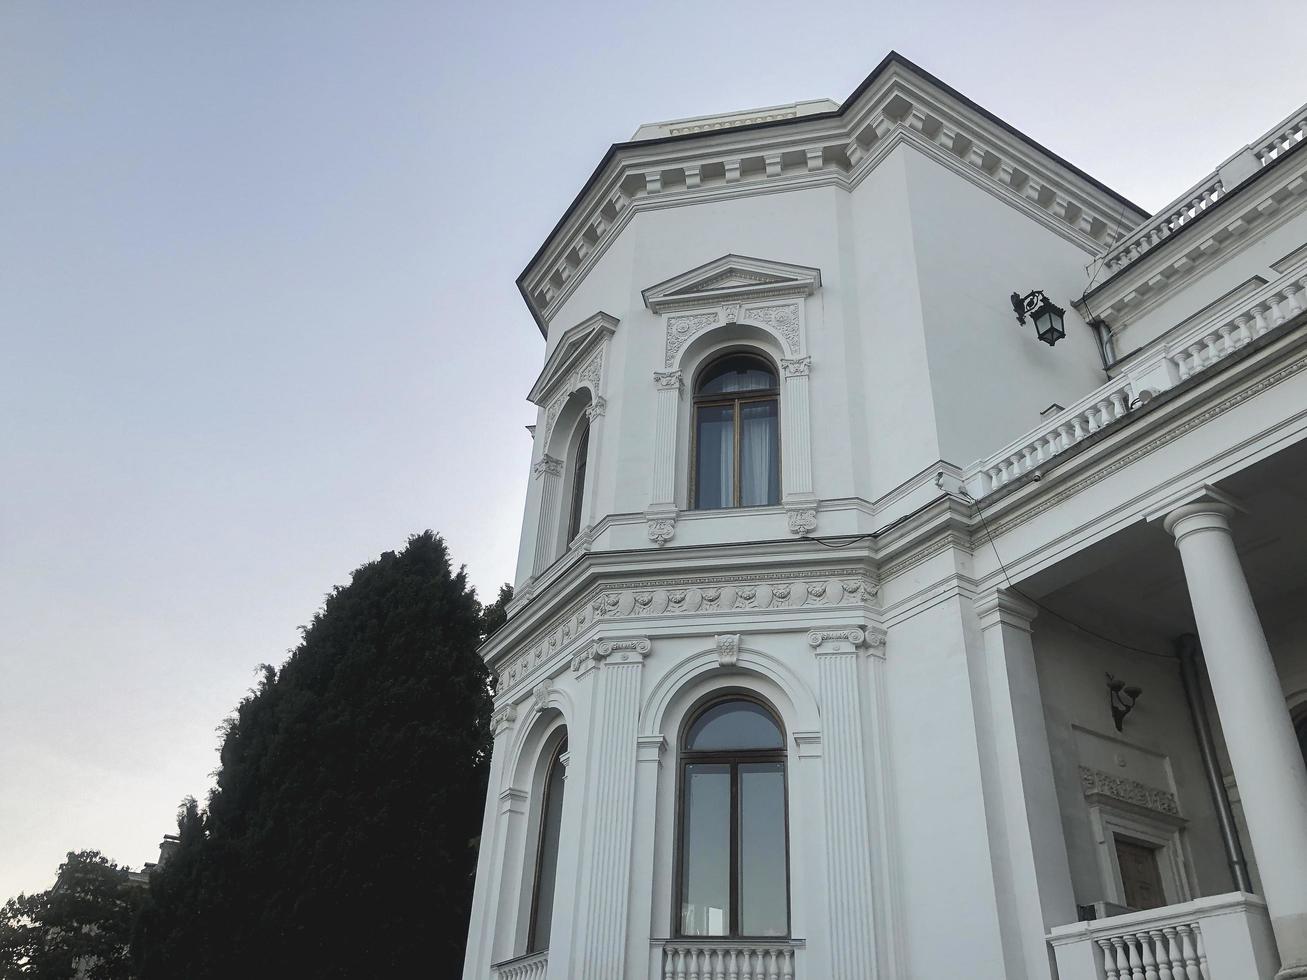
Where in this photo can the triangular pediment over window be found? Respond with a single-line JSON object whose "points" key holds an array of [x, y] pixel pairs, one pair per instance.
{"points": [[732, 278], [573, 347]]}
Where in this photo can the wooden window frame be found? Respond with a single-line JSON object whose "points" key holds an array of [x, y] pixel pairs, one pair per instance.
{"points": [[733, 758], [576, 501], [555, 759], [736, 400]]}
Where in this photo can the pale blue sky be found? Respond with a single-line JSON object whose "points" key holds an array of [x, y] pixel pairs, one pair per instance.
{"points": [[259, 320]]}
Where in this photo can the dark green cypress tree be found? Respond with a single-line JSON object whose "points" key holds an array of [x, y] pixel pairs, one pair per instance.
{"points": [[340, 838]]}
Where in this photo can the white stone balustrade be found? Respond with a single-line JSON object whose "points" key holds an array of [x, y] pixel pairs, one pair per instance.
{"points": [[1166, 223], [1224, 937], [1169, 361], [728, 960], [533, 966], [1055, 435], [1268, 147]]}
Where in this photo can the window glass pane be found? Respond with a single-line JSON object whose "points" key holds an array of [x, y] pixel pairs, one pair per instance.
{"points": [[738, 373], [706, 851], [734, 725], [578, 483], [760, 481], [551, 825], [763, 900], [714, 482]]}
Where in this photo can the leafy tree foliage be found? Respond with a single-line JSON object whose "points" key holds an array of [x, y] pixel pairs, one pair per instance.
{"points": [[83, 923], [339, 840]]}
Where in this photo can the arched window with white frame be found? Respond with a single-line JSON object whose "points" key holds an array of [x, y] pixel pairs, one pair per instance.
{"points": [[732, 871], [546, 864], [736, 452], [576, 506]]}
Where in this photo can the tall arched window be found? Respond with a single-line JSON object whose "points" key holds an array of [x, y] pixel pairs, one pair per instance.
{"points": [[551, 826], [732, 868], [578, 482], [737, 459]]}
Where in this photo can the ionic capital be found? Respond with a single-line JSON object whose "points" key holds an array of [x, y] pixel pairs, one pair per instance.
{"points": [[547, 464]]}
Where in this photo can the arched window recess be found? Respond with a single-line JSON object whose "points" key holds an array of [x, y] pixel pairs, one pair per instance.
{"points": [[546, 866], [736, 433], [732, 874]]}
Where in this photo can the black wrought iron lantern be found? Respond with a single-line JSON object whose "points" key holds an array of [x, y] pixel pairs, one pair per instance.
{"points": [[1047, 315]]}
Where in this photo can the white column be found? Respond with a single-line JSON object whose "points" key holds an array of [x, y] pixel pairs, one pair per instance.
{"points": [[649, 755], [489, 878], [661, 514], [849, 834], [562, 931], [609, 807], [549, 472], [1036, 859], [1268, 766], [796, 447]]}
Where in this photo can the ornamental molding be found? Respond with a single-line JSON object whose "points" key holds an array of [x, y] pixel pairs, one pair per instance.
{"points": [[728, 649], [898, 103], [573, 347], [847, 588], [547, 464], [1097, 783], [660, 522], [785, 321], [540, 695], [796, 367], [730, 281], [847, 639], [503, 719], [577, 363], [802, 518]]}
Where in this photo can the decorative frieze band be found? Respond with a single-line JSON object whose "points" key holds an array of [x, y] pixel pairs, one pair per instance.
{"points": [[1096, 782], [840, 587]]}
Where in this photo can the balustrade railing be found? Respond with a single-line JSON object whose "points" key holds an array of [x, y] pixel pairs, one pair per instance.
{"points": [[730, 960], [533, 966], [1275, 142], [1222, 937], [1166, 363], [1170, 953]]}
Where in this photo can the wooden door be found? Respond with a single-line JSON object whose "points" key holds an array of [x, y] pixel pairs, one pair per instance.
{"points": [[1141, 877]]}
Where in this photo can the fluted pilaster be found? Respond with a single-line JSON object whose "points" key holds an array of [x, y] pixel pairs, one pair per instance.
{"points": [[848, 823]]}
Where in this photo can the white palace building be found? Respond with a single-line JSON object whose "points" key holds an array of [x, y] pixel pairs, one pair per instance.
{"points": [[913, 582]]}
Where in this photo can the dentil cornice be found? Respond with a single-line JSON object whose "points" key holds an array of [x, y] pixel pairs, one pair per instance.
{"points": [[898, 103]]}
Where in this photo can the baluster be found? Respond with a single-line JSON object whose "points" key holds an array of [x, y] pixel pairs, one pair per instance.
{"points": [[1015, 470], [1196, 349], [1202, 953], [1136, 964], [1109, 960], [1091, 414], [1190, 955], [734, 973], [1259, 316], [1146, 954], [1213, 352], [1122, 960], [1173, 957], [787, 964], [1293, 299], [1064, 434], [694, 963], [1277, 311], [1054, 443], [1227, 334], [1163, 957], [1243, 334], [1118, 403], [680, 963], [1078, 427], [1029, 464]]}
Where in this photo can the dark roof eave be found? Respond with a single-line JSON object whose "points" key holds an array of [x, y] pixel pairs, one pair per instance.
{"points": [[890, 59]]}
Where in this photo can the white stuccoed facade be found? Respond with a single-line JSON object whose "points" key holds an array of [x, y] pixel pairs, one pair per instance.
{"points": [[959, 800]]}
